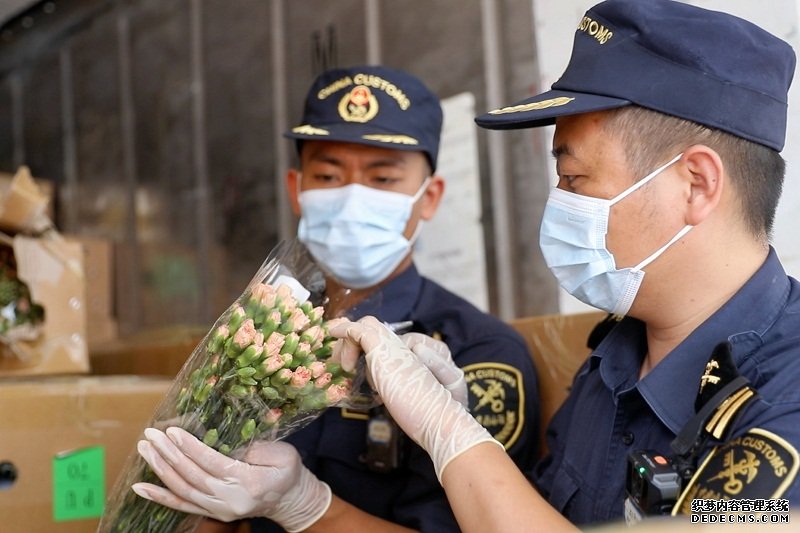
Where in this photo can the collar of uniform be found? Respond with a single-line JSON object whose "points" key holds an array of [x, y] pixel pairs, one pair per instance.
{"points": [[619, 356], [671, 387], [395, 300]]}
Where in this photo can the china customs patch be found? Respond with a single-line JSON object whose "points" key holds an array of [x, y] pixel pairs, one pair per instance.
{"points": [[497, 399], [757, 465]]}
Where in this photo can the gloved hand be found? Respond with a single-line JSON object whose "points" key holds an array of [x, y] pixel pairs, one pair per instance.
{"points": [[270, 481], [418, 402], [436, 356]]}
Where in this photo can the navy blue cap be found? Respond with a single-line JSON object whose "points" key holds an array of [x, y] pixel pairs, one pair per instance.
{"points": [[705, 66], [372, 105]]}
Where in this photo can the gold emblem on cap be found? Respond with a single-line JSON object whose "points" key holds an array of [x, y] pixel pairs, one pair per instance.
{"points": [[307, 129], [396, 139], [359, 105], [533, 106]]}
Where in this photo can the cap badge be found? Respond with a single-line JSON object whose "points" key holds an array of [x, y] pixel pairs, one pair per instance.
{"points": [[359, 105], [533, 106]]}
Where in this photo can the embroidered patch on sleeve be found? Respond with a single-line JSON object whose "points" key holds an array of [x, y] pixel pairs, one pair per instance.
{"points": [[497, 399], [757, 465]]}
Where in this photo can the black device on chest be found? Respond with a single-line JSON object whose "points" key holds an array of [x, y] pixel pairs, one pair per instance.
{"points": [[654, 482]]}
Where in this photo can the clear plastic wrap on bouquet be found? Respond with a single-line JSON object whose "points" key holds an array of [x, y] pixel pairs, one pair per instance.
{"points": [[261, 372]]}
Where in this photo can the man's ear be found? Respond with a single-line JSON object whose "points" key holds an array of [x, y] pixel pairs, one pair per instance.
{"points": [[292, 187], [706, 178], [432, 197]]}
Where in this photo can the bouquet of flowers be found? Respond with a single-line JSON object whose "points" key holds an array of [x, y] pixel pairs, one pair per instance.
{"points": [[20, 316], [261, 372]]}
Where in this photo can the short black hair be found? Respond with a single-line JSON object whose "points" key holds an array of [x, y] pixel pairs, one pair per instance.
{"points": [[756, 171]]}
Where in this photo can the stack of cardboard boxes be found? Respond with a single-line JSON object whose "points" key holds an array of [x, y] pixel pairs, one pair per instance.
{"points": [[65, 433]]}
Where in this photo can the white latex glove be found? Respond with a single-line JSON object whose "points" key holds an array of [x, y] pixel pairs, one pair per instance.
{"points": [[270, 481], [421, 406], [436, 356]]}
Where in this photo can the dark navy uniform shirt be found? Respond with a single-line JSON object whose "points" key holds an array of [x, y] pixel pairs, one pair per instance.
{"points": [[610, 412], [503, 396]]}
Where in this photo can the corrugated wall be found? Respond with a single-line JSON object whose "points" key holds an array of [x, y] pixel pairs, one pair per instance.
{"points": [[158, 121]]}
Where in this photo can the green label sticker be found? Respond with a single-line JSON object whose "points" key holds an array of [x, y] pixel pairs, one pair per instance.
{"points": [[79, 484]]}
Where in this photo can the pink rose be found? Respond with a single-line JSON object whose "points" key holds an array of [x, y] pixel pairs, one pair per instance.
{"points": [[337, 392], [273, 363], [316, 314], [298, 319], [218, 338], [253, 353], [265, 294], [300, 377], [303, 350], [286, 298], [290, 343], [245, 334], [284, 375], [313, 336], [323, 380], [237, 313], [274, 344], [317, 369]]}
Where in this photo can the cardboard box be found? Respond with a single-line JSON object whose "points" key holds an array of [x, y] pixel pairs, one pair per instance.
{"points": [[100, 331], [53, 270], [64, 442], [558, 346], [25, 202], [160, 352], [98, 264]]}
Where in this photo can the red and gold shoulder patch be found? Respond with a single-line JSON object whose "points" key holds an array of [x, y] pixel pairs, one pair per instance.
{"points": [[757, 465], [497, 399]]}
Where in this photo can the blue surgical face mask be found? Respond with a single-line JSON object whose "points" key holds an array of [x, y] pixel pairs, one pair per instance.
{"points": [[573, 242], [356, 232]]}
